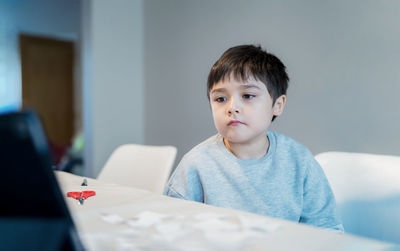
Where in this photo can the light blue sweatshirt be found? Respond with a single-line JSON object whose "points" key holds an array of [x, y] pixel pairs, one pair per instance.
{"points": [[286, 183]]}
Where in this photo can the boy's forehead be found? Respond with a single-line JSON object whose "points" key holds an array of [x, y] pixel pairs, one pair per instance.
{"points": [[245, 84]]}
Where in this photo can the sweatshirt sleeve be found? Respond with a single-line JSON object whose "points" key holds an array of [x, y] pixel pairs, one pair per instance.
{"points": [[185, 182], [319, 205]]}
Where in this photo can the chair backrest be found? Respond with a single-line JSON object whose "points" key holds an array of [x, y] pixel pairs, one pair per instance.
{"points": [[140, 166], [367, 191]]}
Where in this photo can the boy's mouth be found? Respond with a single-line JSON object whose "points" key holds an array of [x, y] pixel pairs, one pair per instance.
{"points": [[235, 123]]}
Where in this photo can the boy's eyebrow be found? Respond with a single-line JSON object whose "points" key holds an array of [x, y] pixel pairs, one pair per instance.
{"points": [[243, 86], [218, 90]]}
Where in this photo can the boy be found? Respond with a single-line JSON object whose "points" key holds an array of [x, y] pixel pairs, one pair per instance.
{"points": [[245, 166]]}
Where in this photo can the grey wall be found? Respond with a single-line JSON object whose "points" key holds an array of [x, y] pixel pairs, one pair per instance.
{"points": [[343, 58], [113, 91]]}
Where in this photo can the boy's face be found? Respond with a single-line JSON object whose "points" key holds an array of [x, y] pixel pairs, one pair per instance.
{"points": [[243, 111]]}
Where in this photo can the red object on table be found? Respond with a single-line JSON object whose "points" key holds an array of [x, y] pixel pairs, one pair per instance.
{"points": [[83, 194]]}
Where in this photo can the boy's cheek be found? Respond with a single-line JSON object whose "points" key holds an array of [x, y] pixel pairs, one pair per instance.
{"points": [[216, 120], [217, 108], [214, 111]]}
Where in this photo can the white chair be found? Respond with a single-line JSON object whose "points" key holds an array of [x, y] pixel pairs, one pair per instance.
{"points": [[367, 191], [140, 166]]}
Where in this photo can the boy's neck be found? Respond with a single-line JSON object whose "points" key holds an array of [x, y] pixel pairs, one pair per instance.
{"points": [[253, 150]]}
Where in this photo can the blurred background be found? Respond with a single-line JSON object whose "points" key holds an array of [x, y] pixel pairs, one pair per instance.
{"points": [[105, 73]]}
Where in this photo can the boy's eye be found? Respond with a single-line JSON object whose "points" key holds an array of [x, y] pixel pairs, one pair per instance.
{"points": [[248, 96], [220, 99]]}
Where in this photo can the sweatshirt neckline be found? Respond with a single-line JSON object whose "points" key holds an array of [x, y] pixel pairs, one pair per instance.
{"points": [[231, 156]]}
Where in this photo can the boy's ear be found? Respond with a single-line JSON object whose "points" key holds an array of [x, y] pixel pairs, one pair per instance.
{"points": [[277, 109]]}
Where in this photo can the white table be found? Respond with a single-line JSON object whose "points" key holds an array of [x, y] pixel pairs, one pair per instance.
{"points": [[94, 220]]}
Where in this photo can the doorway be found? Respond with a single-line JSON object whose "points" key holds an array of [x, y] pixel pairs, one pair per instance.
{"points": [[47, 67]]}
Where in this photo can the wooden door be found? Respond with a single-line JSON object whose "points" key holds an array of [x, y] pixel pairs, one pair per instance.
{"points": [[47, 84]]}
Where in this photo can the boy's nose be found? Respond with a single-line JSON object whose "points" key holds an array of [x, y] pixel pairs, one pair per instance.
{"points": [[230, 111], [233, 107], [233, 112]]}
